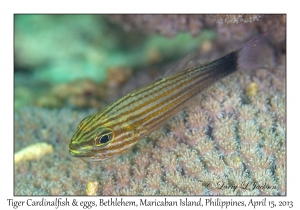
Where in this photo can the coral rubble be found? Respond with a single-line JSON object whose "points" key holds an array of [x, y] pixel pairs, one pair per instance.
{"points": [[33, 152]]}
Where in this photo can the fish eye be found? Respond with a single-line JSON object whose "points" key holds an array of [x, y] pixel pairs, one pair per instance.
{"points": [[103, 137]]}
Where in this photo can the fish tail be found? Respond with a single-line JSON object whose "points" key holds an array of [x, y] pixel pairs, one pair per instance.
{"points": [[256, 53]]}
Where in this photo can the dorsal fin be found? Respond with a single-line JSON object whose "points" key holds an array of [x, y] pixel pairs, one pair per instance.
{"points": [[182, 65]]}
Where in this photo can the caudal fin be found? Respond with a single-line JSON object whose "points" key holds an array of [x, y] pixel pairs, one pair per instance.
{"points": [[256, 53]]}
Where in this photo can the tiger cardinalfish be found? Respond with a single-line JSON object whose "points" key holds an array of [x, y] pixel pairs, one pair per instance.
{"points": [[119, 126]]}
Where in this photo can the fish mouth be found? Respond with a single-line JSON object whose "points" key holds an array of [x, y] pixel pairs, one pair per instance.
{"points": [[80, 153], [87, 154], [75, 152]]}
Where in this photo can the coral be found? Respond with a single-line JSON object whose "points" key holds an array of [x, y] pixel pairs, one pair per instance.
{"points": [[72, 43], [33, 152], [170, 25], [86, 46], [236, 18], [77, 50], [225, 142], [117, 76], [81, 93], [164, 24], [194, 154]]}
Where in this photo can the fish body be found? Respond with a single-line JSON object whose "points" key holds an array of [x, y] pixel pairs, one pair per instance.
{"points": [[122, 124]]}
